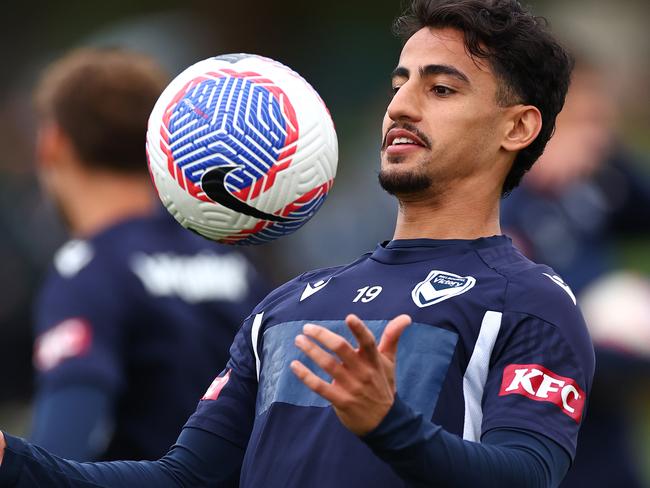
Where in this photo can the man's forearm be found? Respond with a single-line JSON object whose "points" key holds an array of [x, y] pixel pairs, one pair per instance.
{"points": [[426, 455], [68, 419], [190, 462]]}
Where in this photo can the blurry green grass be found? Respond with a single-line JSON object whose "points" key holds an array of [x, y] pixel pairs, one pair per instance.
{"points": [[635, 254]]}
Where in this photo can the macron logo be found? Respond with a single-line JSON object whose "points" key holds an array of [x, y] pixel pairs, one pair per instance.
{"points": [[558, 281], [543, 385], [315, 288]]}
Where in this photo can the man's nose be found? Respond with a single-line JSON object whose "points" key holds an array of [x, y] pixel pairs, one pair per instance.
{"points": [[406, 104]]}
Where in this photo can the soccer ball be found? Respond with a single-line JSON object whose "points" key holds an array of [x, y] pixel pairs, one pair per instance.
{"points": [[241, 149]]}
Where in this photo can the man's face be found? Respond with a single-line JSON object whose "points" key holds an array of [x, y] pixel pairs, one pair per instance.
{"points": [[443, 124]]}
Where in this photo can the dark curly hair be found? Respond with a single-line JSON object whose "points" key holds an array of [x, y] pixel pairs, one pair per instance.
{"points": [[531, 66]]}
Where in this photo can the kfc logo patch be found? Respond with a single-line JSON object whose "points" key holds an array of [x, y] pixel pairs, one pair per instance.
{"points": [[543, 385], [70, 338], [215, 388]]}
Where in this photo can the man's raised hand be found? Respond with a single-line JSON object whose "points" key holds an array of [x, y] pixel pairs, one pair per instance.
{"points": [[362, 389]]}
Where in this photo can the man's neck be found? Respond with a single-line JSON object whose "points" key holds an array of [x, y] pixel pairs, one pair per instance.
{"points": [[462, 214], [101, 200]]}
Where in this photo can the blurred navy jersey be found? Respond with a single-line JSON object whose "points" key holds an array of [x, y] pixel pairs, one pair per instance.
{"points": [[144, 311], [497, 342], [575, 229]]}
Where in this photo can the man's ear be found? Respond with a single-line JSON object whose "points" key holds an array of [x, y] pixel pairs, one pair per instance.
{"points": [[53, 146], [524, 125]]}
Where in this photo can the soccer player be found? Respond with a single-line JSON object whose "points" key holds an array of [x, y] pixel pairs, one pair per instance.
{"points": [[137, 313], [586, 192], [472, 365]]}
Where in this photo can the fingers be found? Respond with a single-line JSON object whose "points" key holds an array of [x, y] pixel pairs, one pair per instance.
{"points": [[392, 333], [364, 337], [325, 360], [332, 341], [314, 383], [362, 389]]}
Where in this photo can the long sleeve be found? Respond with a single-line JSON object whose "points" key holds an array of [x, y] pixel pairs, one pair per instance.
{"points": [[198, 458], [424, 454], [73, 422]]}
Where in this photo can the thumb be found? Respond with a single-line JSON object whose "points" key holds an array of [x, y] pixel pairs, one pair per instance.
{"points": [[389, 339]]}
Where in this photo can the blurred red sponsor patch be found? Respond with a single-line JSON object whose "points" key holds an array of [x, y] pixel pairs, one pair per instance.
{"points": [[215, 388], [68, 339]]}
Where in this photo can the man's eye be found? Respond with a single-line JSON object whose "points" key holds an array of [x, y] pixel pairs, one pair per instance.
{"points": [[395, 89], [442, 90]]}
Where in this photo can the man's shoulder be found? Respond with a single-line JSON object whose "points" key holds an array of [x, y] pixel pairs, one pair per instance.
{"points": [[78, 287], [72, 258], [532, 288], [315, 278], [539, 291], [89, 260], [93, 268], [80, 258]]}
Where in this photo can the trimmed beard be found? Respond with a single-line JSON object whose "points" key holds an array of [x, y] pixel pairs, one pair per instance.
{"points": [[399, 183]]}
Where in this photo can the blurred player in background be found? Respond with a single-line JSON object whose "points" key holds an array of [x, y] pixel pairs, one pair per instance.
{"points": [[137, 313], [494, 368], [586, 192]]}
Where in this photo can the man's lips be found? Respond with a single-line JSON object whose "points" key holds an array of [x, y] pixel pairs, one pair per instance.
{"points": [[401, 142], [402, 137]]}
